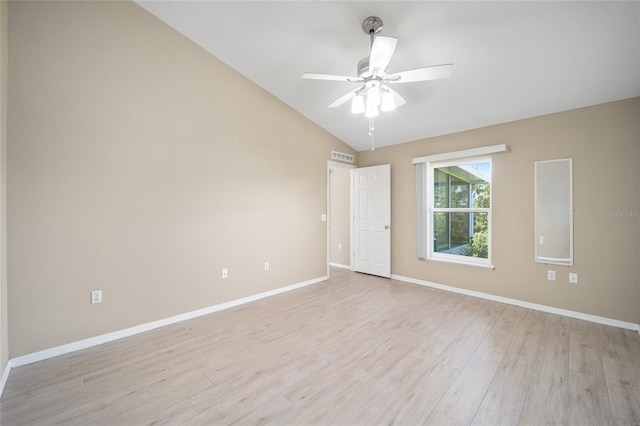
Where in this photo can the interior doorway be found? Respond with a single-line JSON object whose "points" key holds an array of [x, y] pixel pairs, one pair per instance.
{"points": [[338, 215]]}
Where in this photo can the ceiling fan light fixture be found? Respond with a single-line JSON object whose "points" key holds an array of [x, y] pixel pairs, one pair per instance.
{"points": [[373, 95], [371, 110], [357, 105], [388, 103]]}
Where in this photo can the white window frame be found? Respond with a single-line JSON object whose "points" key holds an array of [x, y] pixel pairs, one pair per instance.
{"points": [[431, 210], [425, 195]]}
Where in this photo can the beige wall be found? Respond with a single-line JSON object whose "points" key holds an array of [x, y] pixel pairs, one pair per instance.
{"points": [[4, 346], [140, 165], [340, 206], [604, 142]]}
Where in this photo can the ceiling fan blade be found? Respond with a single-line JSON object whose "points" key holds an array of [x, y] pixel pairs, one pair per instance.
{"points": [[422, 74], [344, 98], [381, 52], [315, 76]]}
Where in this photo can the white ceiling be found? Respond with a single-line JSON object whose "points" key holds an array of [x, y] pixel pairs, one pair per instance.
{"points": [[512, 60]]}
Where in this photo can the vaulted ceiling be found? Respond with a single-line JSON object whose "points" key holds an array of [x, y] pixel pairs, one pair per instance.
{"points": [[512, 60]]}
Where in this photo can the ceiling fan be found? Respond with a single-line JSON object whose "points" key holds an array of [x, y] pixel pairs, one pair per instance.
{"points": [[373, 78]]}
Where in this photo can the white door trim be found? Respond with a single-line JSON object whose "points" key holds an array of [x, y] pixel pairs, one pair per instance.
{"points": [[331, 164]]}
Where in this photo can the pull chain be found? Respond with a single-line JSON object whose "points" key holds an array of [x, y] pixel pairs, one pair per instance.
{"points": [[371, 130]]}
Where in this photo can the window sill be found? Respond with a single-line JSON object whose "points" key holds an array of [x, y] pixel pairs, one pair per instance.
{"points": [[463, 263]]}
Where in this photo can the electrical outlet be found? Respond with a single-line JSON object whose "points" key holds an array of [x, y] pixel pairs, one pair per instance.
{"points": [[266, 266], [96, 297], [551, 275], [225, 273], [339, 246], [573, 278]]}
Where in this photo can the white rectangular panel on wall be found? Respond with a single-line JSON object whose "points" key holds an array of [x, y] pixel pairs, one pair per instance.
{"points": [[554, 211]]}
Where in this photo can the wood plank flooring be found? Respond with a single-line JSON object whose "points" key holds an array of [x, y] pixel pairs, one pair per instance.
{"points": [[355, 349]]}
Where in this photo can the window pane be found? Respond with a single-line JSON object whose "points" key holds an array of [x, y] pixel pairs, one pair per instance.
{"points": [[440, 189], [441, 232], [462, 234], [462, 186], [481, 195], [459, 190], [480, 236]]}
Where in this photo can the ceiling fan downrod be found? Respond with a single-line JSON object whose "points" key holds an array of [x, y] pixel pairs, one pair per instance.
{"points": [[372, 26]]}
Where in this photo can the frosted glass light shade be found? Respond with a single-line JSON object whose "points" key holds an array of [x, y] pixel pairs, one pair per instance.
{"points": [[373, 96], [357, 105], [388, 103]]}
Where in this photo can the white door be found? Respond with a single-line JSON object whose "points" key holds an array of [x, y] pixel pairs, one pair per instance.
{"points": [[372, 220]]}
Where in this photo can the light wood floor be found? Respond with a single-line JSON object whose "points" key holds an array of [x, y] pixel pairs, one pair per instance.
{"points": [[353, 350]]}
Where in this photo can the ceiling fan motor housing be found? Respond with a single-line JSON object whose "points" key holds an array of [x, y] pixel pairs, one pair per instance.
{"points": [[363, 67]]}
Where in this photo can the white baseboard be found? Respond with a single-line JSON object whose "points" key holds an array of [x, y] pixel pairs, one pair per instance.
{"points": [[339, 265], [109, 337], [523, 304], [5, 376]]}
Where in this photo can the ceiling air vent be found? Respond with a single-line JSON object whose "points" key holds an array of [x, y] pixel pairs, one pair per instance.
{"points": [[341, 156]]}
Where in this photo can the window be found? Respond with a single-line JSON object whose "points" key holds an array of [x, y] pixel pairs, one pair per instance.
{"points": [[459, 200], [454, 206]]}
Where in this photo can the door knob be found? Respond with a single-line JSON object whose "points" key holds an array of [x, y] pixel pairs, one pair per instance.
{"points": [[386, 227]]}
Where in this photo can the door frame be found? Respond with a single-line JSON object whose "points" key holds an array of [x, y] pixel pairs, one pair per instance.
{"points": [[331, 164]]}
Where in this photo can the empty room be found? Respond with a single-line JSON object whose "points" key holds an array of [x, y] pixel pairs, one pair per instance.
{"points": [[340, 213]]}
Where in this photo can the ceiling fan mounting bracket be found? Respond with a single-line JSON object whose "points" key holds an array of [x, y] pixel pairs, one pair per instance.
{"points": [[372, 25]]}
